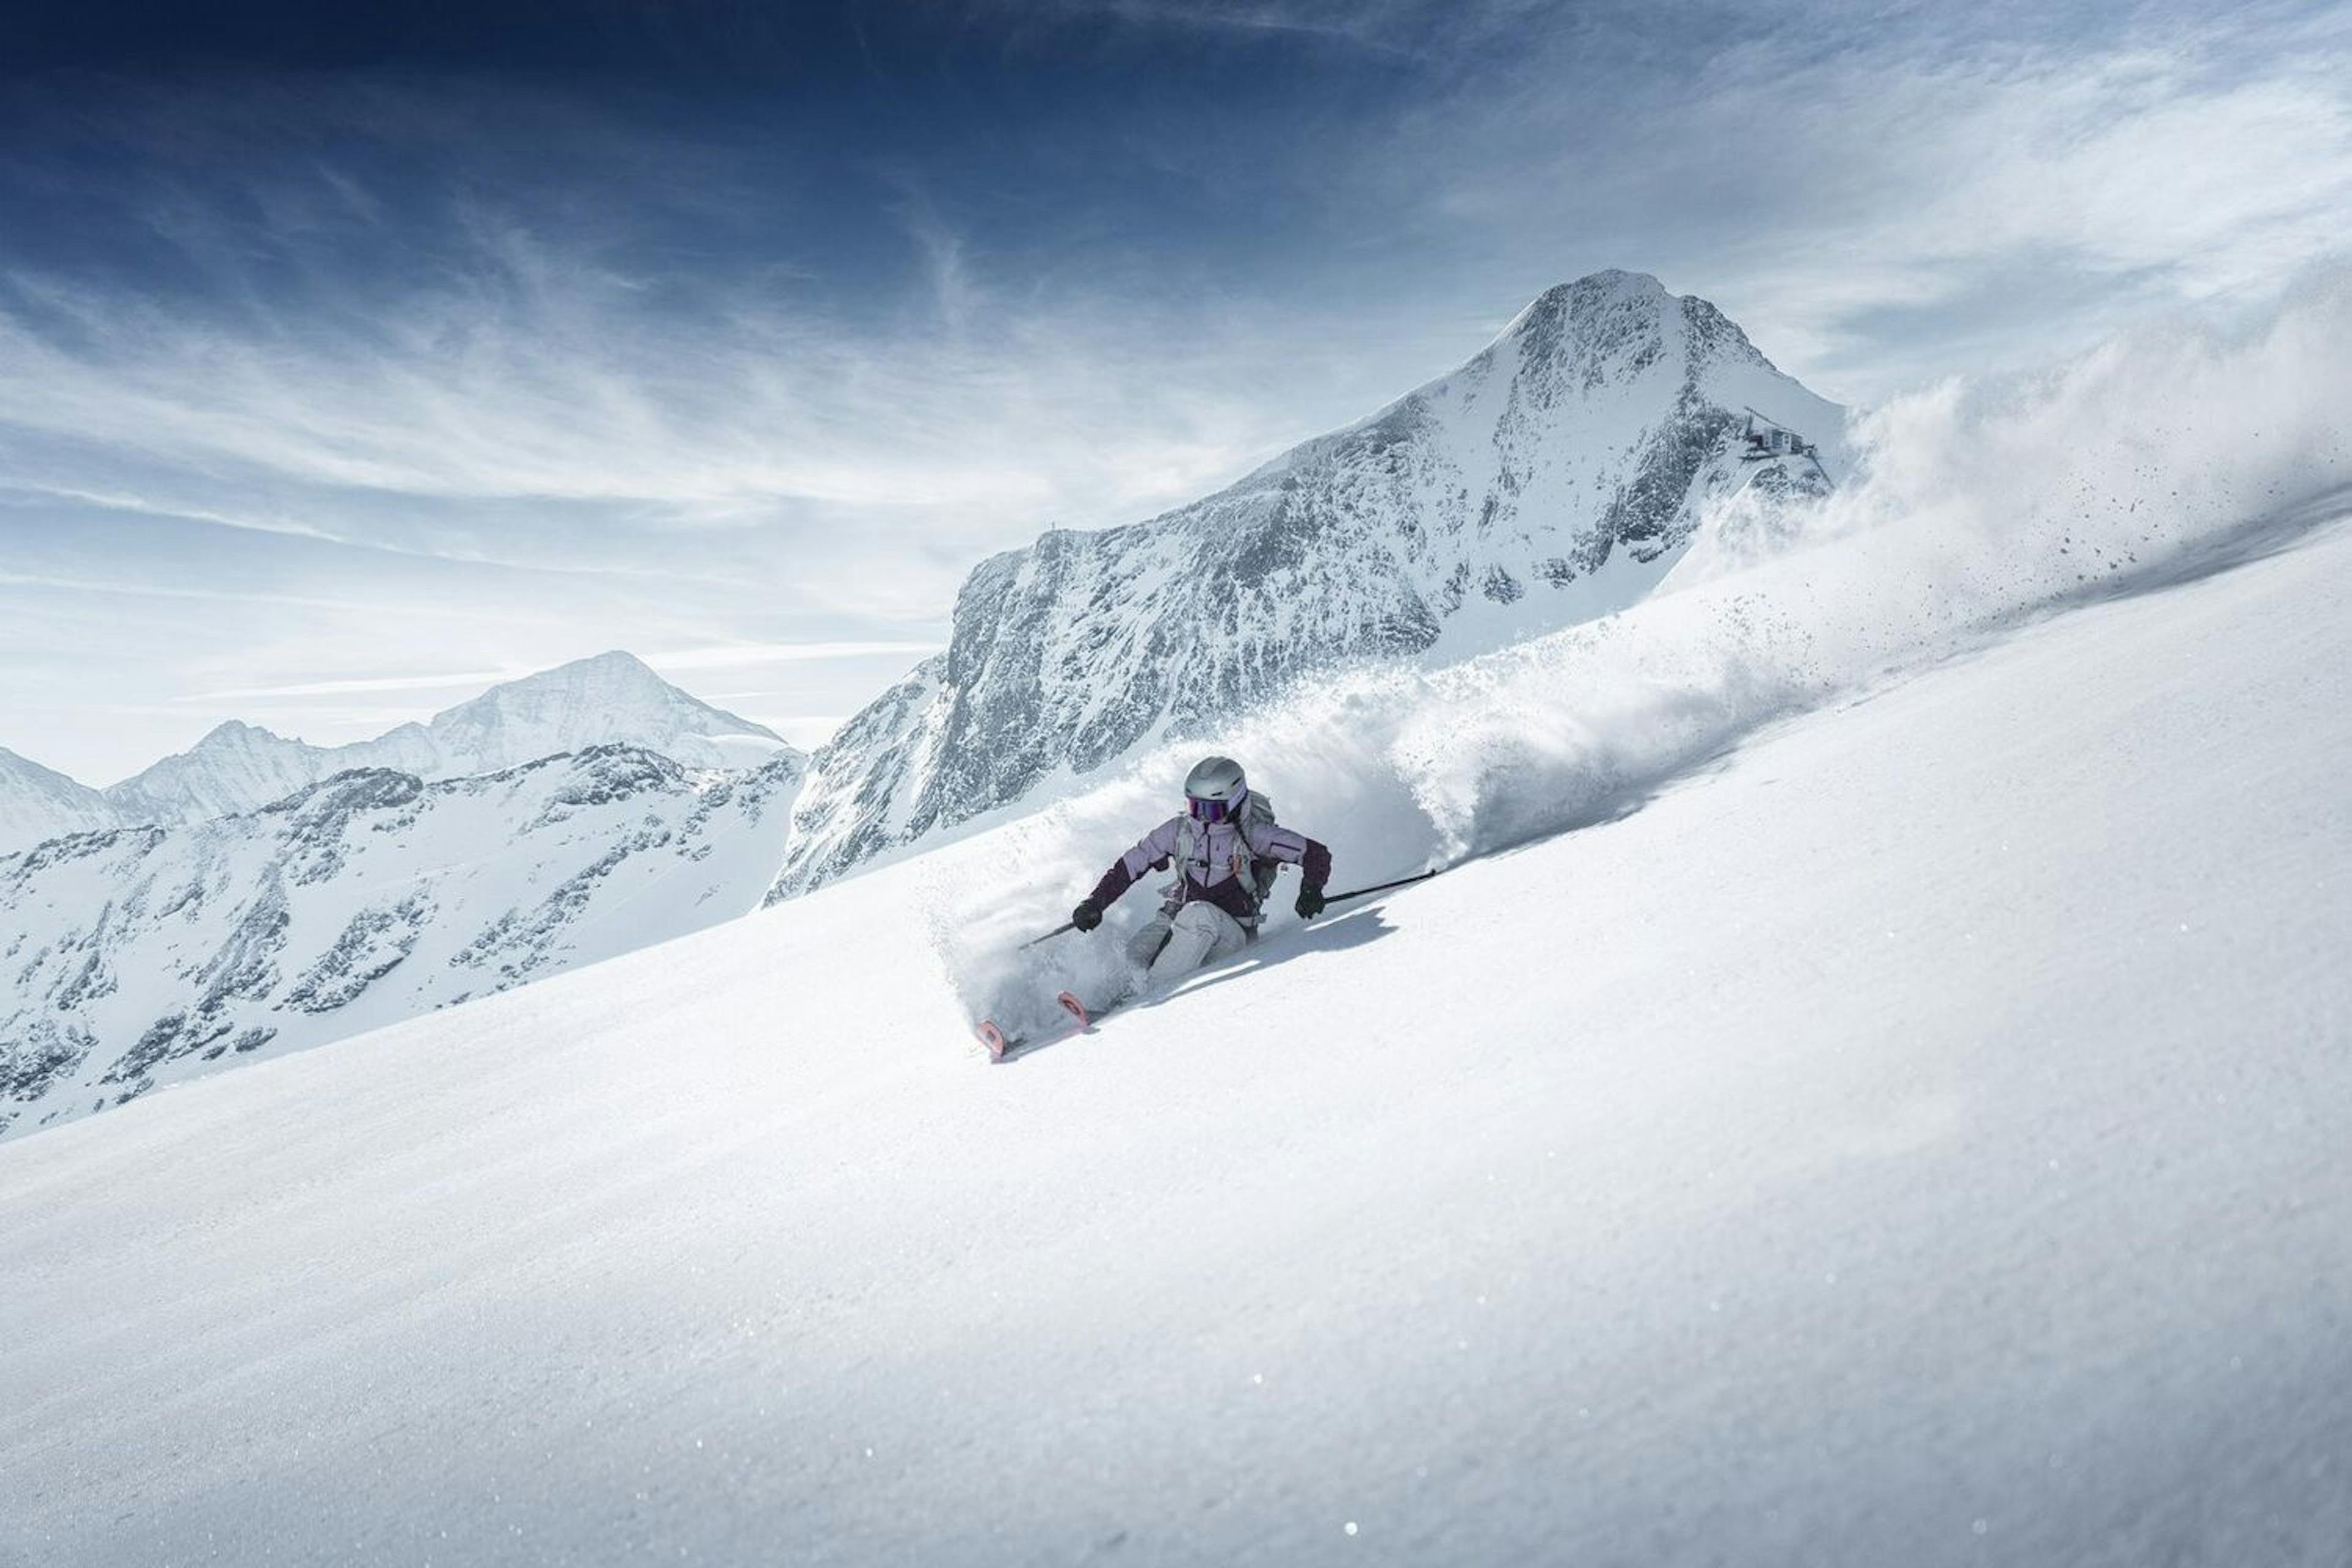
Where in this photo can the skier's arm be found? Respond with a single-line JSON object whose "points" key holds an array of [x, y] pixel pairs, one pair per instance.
{"points": [[1154, 847], [1312, 860]]}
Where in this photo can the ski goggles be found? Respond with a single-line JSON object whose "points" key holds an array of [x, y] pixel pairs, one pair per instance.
{"points": [[1207, 810]]}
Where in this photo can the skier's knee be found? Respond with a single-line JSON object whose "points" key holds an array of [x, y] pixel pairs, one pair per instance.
{"points": [[1143, 948]]}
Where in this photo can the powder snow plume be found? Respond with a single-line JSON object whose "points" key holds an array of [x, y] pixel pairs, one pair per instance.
{"points": [[2161, 454]]}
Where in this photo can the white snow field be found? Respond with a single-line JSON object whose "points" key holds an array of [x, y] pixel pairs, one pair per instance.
{"points": [[1915, 1136]]}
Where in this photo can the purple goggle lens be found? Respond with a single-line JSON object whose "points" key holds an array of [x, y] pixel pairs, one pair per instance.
{"points": [[1206, 810]]}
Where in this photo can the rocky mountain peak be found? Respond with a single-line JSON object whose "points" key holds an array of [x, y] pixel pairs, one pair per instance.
{"points": [[614, 669], [236, 735], [1613, 322], [612, 698], [1589, 294], [1553, 478]]}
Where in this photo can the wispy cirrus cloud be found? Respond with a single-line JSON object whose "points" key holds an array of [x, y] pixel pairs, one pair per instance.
{"points": [[736, 655], [470, 679], [1886, 202], [565, 384], [314, 377], [720, 657]]}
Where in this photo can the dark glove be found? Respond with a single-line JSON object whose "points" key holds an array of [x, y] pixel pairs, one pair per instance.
{"points": [[1089, 915], [1310, 902]]}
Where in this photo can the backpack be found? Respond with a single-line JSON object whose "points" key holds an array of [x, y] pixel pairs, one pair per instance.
{"points": [[1256, 877]]}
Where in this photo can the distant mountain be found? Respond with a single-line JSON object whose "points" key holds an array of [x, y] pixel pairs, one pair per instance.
{"points": [[1556, 477], [137, 956], [610, 700], [236, 767], [613, 698], [37, 803]]}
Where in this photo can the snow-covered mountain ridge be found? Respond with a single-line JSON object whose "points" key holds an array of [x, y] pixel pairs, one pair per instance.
{"points": [[1554, 477], [613, 698], [37, 803], [140, 956]]}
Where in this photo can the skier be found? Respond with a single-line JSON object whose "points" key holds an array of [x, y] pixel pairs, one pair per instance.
{"points": [[1227, 851]]}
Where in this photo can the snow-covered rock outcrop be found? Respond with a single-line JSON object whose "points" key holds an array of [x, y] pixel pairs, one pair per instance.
{"points": [[1555, 478], [137, 956], [613, 698]]}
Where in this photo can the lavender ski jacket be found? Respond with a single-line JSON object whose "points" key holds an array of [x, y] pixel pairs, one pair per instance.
{"points": [[1219, 858]]}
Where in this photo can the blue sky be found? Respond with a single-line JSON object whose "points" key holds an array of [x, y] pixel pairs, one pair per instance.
{"points": [[352, 357]]}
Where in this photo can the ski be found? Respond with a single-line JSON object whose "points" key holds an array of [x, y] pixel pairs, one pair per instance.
{"points": [[1003, 1047]]}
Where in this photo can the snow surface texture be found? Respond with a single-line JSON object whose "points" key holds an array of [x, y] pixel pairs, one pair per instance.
{"points": [[141, 956], [1554, 477], [610, 700], [1913, 1137]]}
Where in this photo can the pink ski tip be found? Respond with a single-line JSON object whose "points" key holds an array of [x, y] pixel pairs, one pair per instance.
{"points": [[1076, 1009], [993, 1038]]}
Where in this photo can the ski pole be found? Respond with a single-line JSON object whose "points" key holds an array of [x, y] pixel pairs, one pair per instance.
{"points": [[1065, 925], [1379, 888]]}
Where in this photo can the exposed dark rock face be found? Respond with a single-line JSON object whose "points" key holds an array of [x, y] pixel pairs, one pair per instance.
{"points": [[135, 957], [372, 945]]}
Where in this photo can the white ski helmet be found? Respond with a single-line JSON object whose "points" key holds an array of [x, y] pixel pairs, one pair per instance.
{"points": [[1215, 789]]}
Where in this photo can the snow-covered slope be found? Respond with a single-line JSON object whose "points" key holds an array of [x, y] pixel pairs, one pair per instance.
{"points": [[1554, 477], [610, 700], [1913, 1137], [37, 803], [143, 956]]}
